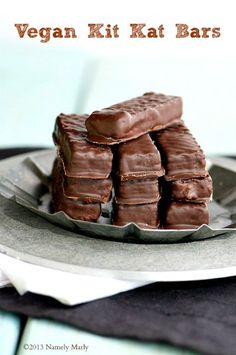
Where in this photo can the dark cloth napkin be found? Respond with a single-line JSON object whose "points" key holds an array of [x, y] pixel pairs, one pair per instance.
{"points": [[9, 152], [196, 315]]}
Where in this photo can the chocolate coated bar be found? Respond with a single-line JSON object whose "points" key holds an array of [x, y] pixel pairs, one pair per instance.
{"points": [[138, 159], [185, 215], [86, 190], [136, 192], [194, 190], [76, 209], [81, 158], [133, 118], [146, 216], [182, 156]]}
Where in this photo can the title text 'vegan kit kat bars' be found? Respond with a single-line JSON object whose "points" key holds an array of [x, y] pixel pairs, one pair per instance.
{"points": [[138, 153]]}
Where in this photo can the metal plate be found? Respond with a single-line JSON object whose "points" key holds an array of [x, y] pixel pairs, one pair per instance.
{"points": [[27, 236]]}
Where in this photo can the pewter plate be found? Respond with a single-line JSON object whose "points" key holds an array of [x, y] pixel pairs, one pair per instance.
{"points": [[31, 238]]}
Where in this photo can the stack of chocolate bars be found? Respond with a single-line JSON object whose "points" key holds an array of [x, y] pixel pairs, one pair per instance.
{"points": [[81, 175], [142, 151], [136, 171], [187, 186]]}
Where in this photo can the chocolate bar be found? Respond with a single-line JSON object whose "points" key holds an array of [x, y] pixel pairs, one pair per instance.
{"points": [[80, 158], [182, 156], [72, 207], [86, 190], [185, 215], [76, 209], [133, 118], [145, 216], [194, 190], [136, 192], [138, 159]]}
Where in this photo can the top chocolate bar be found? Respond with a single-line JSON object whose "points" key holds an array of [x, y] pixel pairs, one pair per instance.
{"points": [[80, 158], [133, 118]]}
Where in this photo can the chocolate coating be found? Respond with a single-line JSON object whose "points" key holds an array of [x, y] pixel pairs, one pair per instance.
{"points": [[138, 159], [146, 216], [76, 209], [133, 118], [86, 190], [72, 207], [182, 156], [136, 192], [194, 190], [185, 215], [80, 158]]}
